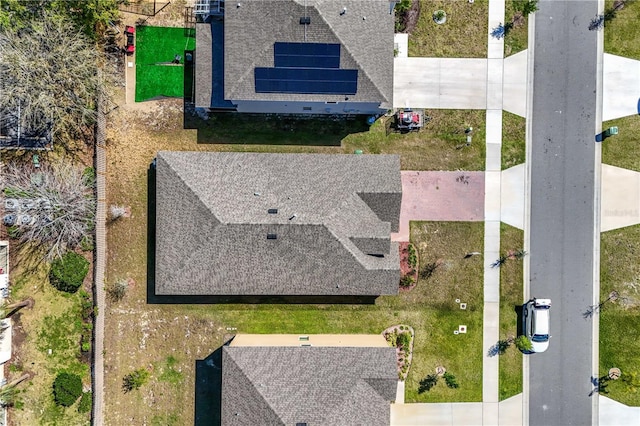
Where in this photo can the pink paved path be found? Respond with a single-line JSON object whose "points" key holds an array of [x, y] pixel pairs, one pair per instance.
{"points": [[443, 196]]}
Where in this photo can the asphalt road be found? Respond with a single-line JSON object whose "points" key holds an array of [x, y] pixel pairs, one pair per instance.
{"points": [[562, 217]]}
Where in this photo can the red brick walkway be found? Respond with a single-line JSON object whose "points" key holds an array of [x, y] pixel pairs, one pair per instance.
{"points": [[440, 196]]}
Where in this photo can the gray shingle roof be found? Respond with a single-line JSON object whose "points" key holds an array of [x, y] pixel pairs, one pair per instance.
{"points": [[317, 385], [213, 221], [366, 44]]}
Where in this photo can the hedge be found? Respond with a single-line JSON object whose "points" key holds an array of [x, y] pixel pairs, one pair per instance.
{"points": [[67, 388], [68, 272]]}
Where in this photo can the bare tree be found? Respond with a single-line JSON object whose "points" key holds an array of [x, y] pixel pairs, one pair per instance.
{"points": [[117, 211], [49, 79], [53, 207]]}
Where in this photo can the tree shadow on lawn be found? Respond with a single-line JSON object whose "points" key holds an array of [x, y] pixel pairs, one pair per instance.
{"points": [[153, 298]]}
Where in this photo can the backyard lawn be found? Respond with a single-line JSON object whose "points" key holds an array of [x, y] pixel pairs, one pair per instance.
{"points": [[511, 284], [168, 339], [156, 48], [463, 35]]}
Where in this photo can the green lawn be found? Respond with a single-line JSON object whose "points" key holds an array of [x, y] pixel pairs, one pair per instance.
{"points": [[513, 140], [619, 331], [464, 35], [516, 39], [48, 338], [511, 284], [156, 47], [440, 145], [621, 150], [622, 32]]}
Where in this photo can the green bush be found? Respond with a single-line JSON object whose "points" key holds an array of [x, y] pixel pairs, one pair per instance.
{"points": [[89, 175], [67, 388], [450, 380], [134, 380], [86, 244], [85, 403], [68, 272], [427, 383], [523, 343], [406, 281], [404, 340], [413, 256]]}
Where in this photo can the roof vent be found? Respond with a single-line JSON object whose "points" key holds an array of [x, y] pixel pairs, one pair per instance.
{"points": [[301, 424], [272, 236], [305, 20], [257, 194], [344, 10], [293, 216], [272, 211]]}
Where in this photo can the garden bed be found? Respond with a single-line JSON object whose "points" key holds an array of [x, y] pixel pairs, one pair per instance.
{"points": [[404, 346], [409, 266]]}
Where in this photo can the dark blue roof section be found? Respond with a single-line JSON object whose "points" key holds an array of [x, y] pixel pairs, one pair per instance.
{"points": [[217, 62], [306, 80], [306, 55]]}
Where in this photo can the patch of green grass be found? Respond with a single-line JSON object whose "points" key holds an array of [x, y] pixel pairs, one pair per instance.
{"points": [[464, 35], [513, 140], [621, 33], [440, 145], [619, 331], [156, 47], [171, 419], [511, 296], [517, 39], [445, 243], [168, 372], [621, 150]]}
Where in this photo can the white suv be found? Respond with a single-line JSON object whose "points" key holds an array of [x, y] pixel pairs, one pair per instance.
{"points": [[535, 317]]}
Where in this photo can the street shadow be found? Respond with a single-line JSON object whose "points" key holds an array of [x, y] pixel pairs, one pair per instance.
{"points": [[208, 390], [153, 298]]}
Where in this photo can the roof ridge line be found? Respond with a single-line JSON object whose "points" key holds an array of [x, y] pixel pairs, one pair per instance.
{"points": [[253, 385]]}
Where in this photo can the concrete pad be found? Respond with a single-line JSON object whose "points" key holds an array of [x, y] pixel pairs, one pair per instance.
{"points": [[494, 83], [467, 413], [620, 197], [494, 126], [514, 87], [401, 44], [613, 413], [496, 17], [400, 392], [493, 157], [490, 414], [445, 83], [444, 414], [621, 87], [440, 196], [511, 411], [492, 195], [490, 336], [512, 196]]}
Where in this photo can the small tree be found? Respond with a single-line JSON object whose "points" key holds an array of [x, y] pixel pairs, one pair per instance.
{"points": [[118, 290], [135, 379], [523, 343], [527, 7], [68, 272], [451, 380], [117, 211], [67, 388]]}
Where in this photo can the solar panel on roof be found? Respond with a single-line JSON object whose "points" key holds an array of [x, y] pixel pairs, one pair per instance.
{"points": [[306, 80], [306, 55]]}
